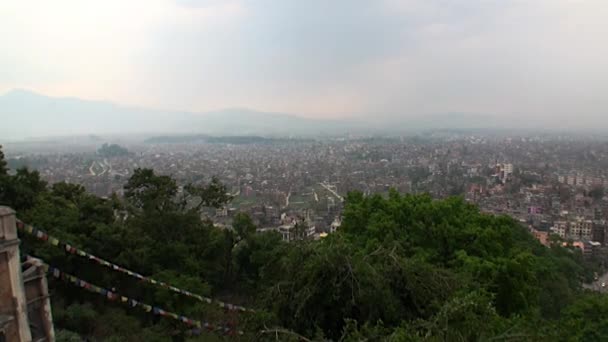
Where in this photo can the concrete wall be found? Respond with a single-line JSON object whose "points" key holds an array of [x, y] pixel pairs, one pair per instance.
{"points": [[38, 301], [13, 306]]}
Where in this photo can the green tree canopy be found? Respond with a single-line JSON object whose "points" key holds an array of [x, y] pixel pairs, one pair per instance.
{"points": [[3, 167]]}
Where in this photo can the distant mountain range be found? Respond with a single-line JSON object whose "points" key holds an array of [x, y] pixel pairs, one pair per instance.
{"points": [[25, 114]]}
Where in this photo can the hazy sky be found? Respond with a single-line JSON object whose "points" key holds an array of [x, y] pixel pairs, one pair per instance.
{"points": [[525, 59]]}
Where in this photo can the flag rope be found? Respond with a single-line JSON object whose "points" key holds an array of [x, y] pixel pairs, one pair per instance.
{"points": [[113, 296], [41, 235]]}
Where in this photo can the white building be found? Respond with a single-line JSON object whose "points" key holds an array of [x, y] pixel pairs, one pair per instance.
{"points": [[560, 228], [581, 229], [335, 225]]}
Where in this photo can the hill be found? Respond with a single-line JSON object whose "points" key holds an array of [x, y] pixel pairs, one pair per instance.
{"points": [[26, 114]]}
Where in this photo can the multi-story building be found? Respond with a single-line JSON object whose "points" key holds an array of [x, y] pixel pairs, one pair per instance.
{"points": [[581, 229], [580, 180], [561, 228], [599, 231], [571, 180]]}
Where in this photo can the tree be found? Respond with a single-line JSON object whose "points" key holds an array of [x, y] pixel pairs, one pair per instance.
{"points": [[21, 190], [112, 150], [466, 317], [4, 178], [418, 174], [67, 336], [565, 194], [243, 225], [71, 192], [213, 195], [3, 167], [597, 193], [148, 191], [586, 319]]}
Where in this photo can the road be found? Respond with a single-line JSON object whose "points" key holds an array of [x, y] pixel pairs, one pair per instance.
{"points": [[108, 164], [326, 187], [91, 169], [103, 166], [287, 199], [597, 285]]}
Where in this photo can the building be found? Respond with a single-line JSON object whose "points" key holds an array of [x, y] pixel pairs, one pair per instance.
{"points": [[221, 212], [335, 225], [576, 229], [542, 237], [600, 233], [504, 171], [571, 180], [581, 229], [288, 232], [580, 181], [560, 228]]}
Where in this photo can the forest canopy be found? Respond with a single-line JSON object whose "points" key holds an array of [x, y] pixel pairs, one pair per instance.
{"points": [[112, 150]]}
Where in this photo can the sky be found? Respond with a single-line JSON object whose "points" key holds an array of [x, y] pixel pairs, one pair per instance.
{"points": [[542, 61]]}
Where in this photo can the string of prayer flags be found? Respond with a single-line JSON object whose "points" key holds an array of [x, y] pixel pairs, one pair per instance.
{"points": [[41, 235], [113, 296]]}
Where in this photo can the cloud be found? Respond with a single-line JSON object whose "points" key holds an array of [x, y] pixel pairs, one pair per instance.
{"points": [[542, 61]]}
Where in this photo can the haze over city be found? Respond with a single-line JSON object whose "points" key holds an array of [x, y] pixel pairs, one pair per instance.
{"points": [[303, 170], [515, 64]]}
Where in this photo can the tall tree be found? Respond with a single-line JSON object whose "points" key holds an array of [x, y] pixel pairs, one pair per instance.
{"points": [[148, 191], [21, 190], [214, 195], [3, 167], [243, 225]]}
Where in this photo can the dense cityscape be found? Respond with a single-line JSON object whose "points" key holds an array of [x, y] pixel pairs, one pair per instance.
{"points": [[554, 185]]}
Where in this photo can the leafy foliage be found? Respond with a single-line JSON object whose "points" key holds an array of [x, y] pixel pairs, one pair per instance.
{"points": [[112, 150], [3, 167]]}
